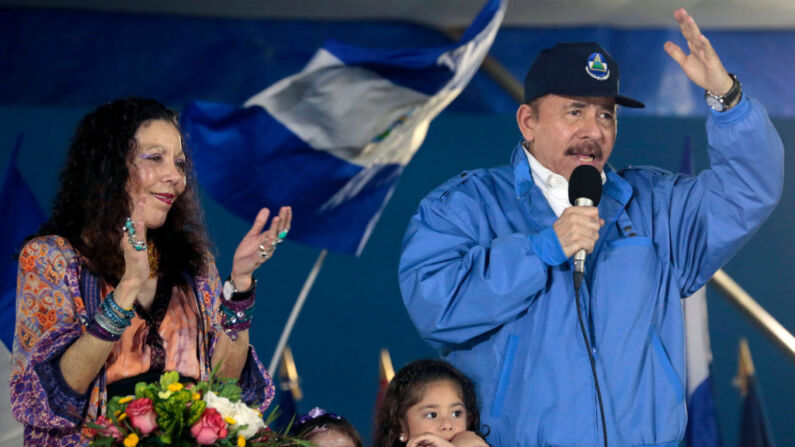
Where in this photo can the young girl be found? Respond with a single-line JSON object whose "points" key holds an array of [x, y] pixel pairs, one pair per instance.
{"points": [[429, 403], [326, 430]]}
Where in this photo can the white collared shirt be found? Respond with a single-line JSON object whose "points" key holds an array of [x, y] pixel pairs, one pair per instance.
{"points": [[555, 187]]}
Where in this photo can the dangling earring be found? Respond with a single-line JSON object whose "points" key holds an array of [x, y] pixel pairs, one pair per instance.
{"points": [[402, 438]]}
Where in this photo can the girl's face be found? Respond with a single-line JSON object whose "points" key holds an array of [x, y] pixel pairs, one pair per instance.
{"points": [[157, 173], [440, 411], [331, 438]]}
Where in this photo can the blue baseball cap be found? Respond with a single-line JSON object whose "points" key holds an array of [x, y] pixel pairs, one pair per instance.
{"points": [[575, 69]]}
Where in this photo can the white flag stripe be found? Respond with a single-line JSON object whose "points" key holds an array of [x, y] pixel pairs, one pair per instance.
{"points": [[699, 354], [332, 106]]}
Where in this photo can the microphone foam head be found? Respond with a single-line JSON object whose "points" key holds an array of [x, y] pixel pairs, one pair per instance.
{"points": [[585, 182]]}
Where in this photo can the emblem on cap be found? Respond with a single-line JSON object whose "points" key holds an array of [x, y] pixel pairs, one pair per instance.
{"points": [[597, 68]]}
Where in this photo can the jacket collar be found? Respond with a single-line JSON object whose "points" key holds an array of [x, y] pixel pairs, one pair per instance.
{"points": [[615, 187]]}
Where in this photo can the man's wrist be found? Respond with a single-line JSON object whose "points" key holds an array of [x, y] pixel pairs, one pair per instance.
{"points": [[729, 98]]}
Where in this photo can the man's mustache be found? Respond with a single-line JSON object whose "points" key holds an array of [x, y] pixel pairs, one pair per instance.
{"points": [[586, 148]]}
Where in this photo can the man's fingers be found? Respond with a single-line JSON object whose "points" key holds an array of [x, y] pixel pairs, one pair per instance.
{"points": [[675, 52], [687, 25]]}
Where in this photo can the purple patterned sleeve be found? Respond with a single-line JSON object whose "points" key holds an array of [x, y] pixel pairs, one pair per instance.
{"points": [[46, 326], [255, 382], [61, 398], [254, 379]]}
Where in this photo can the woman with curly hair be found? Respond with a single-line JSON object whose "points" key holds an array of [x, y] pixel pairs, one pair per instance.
{"points": [[119, 285], [429, 403]]}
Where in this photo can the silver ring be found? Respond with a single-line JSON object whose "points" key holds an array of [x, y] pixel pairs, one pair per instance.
{"points": [[264, 254]]}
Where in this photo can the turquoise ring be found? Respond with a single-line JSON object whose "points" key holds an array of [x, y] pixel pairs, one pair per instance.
{"points": [[129, 228]]}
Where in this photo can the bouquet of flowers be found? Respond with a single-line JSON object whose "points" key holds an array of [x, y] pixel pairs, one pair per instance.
{"points": [[170, 413]]}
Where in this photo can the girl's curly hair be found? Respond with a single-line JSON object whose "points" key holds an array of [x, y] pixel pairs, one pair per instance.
{"points": [[92, 201], [406, 389]]}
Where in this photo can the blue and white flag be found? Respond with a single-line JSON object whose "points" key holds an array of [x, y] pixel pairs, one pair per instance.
{"points": [[332, 140], [702, 423]]}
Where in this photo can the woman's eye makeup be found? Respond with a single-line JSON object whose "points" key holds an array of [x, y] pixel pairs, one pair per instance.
{"points": [[152, 157]]}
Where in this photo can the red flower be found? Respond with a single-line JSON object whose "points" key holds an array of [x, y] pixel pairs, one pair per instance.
{"points": [[142, 415], [209, 428], [108, 429]]}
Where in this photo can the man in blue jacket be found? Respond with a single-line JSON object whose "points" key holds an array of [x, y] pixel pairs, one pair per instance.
{"points": [[486, 273]]}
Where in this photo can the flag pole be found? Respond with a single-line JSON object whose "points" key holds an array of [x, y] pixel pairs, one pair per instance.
{"points": [[299, 303]]}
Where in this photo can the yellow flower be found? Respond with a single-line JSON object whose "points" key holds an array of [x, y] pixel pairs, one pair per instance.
{"points": [[131, 440], [241, 441], [124, 400], [117, 413], [230, 420], [174, 387], [196, 396], [122, 416]]}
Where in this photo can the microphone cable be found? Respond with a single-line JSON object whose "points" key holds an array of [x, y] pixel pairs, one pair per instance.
{"points": [[577, 282]]}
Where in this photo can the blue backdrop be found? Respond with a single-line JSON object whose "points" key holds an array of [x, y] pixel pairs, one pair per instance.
{"points": [[57, 65]]}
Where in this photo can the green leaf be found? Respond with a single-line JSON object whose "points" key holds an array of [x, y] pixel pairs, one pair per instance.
{"points": [[114, 405], [231, 392], [182, 397], [139, 389], [196, 410], [168, 378], [102, 442]]}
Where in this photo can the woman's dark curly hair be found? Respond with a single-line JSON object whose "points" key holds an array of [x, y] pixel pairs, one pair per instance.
{"points": [[305, 429], [92, 201], [406, 389]]}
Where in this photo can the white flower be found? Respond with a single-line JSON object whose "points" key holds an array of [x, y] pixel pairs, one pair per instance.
{"points": [[247, 416], [224, 406], [239, 411]]}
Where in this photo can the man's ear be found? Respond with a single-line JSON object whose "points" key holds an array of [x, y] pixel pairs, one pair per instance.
{"points": [[526, 120]]}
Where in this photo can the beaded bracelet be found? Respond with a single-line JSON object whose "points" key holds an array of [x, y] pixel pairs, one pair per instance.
{"points": [[110, 320], [95, 329], [117, 320], [126, 313]]}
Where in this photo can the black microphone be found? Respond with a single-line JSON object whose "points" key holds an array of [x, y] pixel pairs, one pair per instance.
{"points": [[585, 189]]}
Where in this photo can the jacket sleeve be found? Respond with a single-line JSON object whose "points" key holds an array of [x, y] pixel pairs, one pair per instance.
{"points": [[254, 380], [46, 325], [459, 279], [715, 213]]}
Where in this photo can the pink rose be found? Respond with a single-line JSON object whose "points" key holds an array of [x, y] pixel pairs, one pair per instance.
{"points": [[108, 429], [142, 415], [209, 428]]}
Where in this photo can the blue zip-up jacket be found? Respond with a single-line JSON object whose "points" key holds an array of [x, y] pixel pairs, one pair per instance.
{"points": [[485, 280]]}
